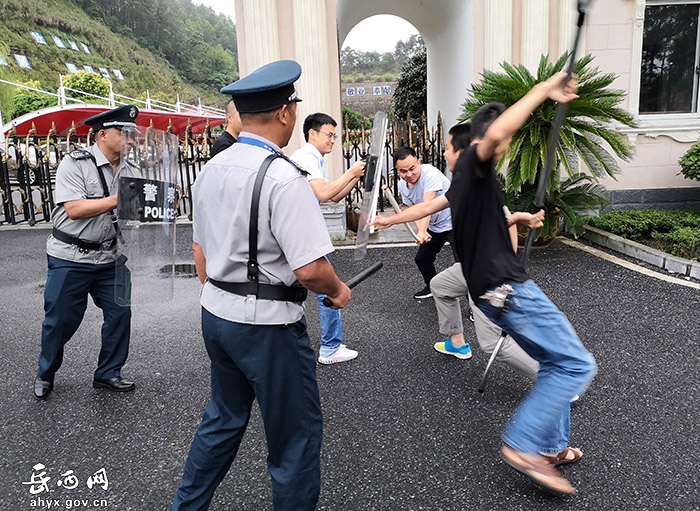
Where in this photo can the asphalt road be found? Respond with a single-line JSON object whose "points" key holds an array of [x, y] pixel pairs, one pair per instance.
{"points": [[405, 428]]}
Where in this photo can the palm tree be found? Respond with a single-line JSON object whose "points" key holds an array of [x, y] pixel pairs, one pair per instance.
{"points": [[587, 135]]}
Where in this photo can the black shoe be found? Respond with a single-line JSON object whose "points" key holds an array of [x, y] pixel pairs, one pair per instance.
{"points": [[117, 384], [423, 293], [42, 388]]}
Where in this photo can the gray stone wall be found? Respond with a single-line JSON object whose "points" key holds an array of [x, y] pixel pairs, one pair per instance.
{"points": [[656, 198]]}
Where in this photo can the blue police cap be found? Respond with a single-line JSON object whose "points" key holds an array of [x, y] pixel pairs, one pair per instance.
{"points": [[121, 117], [266, 88]]}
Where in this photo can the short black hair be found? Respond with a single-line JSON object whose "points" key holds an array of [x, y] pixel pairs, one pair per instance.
{"points": [[402, 153], [484, 117], [461, 135], [315, 121]]}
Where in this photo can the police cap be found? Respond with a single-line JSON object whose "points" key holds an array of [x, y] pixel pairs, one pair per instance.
{"points": [[266, 88], [121, 117]]}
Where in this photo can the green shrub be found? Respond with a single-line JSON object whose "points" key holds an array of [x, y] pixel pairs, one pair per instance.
{"points": [[674, 232], [682, 242], [690, 162]]}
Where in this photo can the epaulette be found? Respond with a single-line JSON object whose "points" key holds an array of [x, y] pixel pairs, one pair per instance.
{"points": [[80, 154], [301, 169]]}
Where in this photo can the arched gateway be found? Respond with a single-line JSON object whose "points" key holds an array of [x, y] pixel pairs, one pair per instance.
{"points": [[462, 38]]}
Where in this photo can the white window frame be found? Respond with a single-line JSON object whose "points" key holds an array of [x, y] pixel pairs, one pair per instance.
{"points": [[681, 127]]}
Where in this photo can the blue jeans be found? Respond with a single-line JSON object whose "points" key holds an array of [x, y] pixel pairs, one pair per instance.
{"points": [[331, 328], [540, 424], [276, 365], [68, 285]]}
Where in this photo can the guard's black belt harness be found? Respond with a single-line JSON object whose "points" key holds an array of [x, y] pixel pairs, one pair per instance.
{"points": [[83, 245], [253, 287]]}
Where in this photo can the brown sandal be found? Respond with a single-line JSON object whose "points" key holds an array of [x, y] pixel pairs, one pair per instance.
{"points": [[539, 469], [568, 455]]}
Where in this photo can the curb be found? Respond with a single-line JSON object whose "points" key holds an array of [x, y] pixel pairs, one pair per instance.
{"points": [[671, 264]]}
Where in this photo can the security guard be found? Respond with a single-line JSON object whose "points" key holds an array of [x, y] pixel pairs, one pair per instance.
{"points": [[83, 255], [259, 236]]}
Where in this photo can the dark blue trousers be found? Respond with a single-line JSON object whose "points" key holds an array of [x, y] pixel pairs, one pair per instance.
{"points": [[276, 365], [68, 285]]}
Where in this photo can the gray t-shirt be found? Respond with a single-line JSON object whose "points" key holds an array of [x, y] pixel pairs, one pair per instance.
{"points": [[291, 230], [78, 179]]}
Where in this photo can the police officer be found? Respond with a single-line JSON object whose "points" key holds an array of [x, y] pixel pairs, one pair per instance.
{"points": [[83, 255], [254, 248]]}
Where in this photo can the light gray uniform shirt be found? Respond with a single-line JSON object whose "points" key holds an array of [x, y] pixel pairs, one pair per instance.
{"points": [[291, 230], [79, 179]]}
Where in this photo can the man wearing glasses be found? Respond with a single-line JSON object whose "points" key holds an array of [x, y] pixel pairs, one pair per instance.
{"points": [[320, 135]]}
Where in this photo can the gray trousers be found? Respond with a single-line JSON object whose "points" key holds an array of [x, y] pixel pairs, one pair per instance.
{"points": [[448, 287]]}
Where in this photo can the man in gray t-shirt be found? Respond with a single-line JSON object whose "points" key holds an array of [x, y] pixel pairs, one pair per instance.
{"points": [[421, 183]]}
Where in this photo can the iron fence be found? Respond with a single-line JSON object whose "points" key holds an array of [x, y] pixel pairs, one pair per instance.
{"points": [[28, 167]]}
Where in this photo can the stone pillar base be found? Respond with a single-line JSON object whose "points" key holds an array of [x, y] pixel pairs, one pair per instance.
{"points": [[334, 215]]}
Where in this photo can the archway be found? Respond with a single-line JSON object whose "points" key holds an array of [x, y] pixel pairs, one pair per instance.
{"points": [[447, 29], [309, 32]]}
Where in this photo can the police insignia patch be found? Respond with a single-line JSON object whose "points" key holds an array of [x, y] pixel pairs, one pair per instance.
{"points": [[80, 154]]}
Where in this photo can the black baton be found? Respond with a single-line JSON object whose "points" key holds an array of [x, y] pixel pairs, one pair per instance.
{"points": [[367, 272]]}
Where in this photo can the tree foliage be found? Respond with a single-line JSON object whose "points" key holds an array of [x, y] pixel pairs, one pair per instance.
{"points": [[92, 83], [197, 42], [374, 66], [25, 100], [411, 93]]}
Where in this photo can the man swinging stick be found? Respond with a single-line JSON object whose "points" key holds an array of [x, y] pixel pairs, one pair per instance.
{"points": [[536, 436]]}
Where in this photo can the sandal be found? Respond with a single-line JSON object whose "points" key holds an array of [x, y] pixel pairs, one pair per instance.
{"points": [[568, 455], [539, 469]]}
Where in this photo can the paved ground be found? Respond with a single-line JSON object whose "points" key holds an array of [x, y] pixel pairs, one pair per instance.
{"points": [[405, 428]]}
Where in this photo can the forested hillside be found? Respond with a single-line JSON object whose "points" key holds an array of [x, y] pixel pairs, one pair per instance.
{"points": [[169, 47]]}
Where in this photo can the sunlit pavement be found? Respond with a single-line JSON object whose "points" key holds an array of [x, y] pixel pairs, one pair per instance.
{"points": [[405, 428]]}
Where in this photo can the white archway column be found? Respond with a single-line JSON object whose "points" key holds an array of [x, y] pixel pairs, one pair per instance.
{"points": [[534, 40], [499, 33], [314, 53], [260, 33], [301, 30]]}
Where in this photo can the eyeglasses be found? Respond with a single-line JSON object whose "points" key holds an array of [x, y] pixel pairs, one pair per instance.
{"points": [[329, 134]]}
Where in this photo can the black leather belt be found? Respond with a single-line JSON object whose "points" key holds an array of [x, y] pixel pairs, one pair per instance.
{"points": [[295, 294], [83, 245]]}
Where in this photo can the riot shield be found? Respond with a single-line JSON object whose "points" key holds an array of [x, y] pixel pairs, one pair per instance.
{"points": [[372, 182], [147, 207]]}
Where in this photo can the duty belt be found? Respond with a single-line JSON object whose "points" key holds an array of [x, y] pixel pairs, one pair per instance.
{"points": [[295, 294], [84, 245]]}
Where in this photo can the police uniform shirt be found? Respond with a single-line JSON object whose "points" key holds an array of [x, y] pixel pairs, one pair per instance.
{"points": [[430, 180], [311, 160], [291, 230], [78, 179]]}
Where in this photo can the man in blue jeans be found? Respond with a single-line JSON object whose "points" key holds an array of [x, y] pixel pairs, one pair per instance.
{"points": [[320, 136], [537, 435]]}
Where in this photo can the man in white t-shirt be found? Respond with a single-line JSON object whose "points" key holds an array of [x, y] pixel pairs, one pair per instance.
{"points": [[320, 135], [421, 182]]}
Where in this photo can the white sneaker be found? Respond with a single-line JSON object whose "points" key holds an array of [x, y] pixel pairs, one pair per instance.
{"points": [[342, 354]]}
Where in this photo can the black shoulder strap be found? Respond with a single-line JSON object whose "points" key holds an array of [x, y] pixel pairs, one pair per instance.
{"points": [[103, 181], [253, 228]]}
